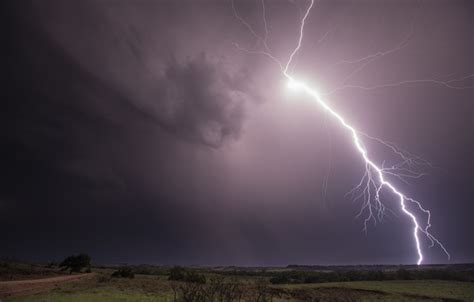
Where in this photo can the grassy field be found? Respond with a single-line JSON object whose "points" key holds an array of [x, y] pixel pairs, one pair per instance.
{"points": [[227, 284], [157, 288], [103, 288], [104, 294], [412, 290]]}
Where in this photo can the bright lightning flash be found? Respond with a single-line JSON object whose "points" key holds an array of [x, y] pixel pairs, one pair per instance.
{"points": [[294, 85], [375, 177]]}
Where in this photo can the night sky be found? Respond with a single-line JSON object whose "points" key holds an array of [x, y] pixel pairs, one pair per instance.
{"points": [[137, 131]]}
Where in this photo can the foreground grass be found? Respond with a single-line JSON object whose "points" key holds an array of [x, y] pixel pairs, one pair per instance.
{"points": [[152, 288], [103, 288], [100, 295], [417, 289]]}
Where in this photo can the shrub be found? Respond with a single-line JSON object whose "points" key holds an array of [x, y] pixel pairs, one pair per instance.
{"points": [[176, 273], [76, 263], [124, 272], [193, 277], [403, 274], [280, 279]]}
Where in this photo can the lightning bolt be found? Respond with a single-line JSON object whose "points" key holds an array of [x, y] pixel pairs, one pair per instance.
{"points": [[375, 176]]}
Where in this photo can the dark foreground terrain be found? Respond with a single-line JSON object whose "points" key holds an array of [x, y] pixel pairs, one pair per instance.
{"points": [[292, 283]]}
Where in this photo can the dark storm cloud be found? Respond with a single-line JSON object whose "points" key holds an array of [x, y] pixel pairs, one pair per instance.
{"points": [[198, 96], [69, 122], [200, 102]]}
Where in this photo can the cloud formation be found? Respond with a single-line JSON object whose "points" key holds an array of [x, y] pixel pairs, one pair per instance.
{"points": [[202, 101]]}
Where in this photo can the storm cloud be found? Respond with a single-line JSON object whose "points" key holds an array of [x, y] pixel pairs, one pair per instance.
{"points": [[137, 132]]}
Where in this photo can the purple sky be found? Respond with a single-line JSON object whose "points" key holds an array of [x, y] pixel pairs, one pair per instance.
{"points": [[138, 132]]}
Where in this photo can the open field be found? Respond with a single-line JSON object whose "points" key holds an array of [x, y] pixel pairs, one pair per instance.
{"points": [[239, 284], [144, 288], [23, 287]]}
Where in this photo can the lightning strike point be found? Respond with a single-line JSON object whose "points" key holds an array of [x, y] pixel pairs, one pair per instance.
{"points": [[294, 85]]}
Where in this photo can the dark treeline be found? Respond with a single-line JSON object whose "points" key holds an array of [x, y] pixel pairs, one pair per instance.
{"points": [[320, 274], [295, 277], [381, 267], [306, 274]]}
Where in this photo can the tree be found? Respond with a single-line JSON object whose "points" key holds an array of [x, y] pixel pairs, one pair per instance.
{"points": [[76, 263], [176, 273], [124, 272], [403, 274]]}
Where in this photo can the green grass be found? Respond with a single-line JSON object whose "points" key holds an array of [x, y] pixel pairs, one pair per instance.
{"points": [[432, 289], [103, 288], [99, 295], [155, 288]]}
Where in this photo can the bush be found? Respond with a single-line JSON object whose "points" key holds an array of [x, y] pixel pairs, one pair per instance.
{"points": [[403, 274], [176, 273], [193, 277], [218, 289], [76, 263], [280, 279], [124, 272]]}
